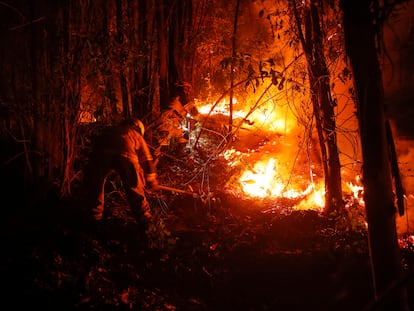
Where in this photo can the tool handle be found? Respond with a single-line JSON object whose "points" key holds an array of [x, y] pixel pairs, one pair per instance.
{"points": [[161, 187]]}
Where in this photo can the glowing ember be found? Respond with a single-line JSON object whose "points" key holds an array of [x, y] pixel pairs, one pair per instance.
{"points": [[407, 242]]}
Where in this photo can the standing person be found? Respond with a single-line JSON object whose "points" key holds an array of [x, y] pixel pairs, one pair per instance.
{"points": [[122, 149]]}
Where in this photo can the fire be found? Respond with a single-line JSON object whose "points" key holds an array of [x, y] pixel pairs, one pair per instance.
{"points": [[221, 107], [265, 160], [265, 116], [356, 190], [262, 181], [315, 198], [265, 173]]}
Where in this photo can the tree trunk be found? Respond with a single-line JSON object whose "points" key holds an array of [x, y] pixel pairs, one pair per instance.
{"points": [[74, 47], [153, 67], [180, 43], [134, 43], [180, 50], [107, 71], [55, 89], [163, 35], [323, 105], [38, 109], [233, 60], [360, 37], [122, 42]]}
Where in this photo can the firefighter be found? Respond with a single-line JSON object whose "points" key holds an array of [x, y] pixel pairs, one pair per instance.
{"points": [[122, 149]]}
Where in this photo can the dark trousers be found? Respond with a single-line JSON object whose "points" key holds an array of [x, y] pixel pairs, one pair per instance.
{"points": [[99, 168]]}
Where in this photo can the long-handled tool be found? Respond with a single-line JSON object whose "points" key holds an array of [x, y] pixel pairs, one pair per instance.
{"points": [[193, 194]]}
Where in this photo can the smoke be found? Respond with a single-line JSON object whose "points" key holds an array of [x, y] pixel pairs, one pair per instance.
{"points": [[398, 78], [405, 152]]}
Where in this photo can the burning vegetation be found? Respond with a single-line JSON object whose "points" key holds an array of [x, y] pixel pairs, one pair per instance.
{"points": [[268, 157], [259, 156]]}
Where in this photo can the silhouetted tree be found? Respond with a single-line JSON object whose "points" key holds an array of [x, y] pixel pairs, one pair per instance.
{"points": [[362, 26], [311, 35]]}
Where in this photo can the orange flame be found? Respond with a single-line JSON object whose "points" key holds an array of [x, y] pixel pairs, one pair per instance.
{"points": [[269, 177], [356, 190], [264, 116], [264, 181]]}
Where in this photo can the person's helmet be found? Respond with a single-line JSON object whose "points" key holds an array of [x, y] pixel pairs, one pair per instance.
{"points": [[134, 123], [138, 123]]}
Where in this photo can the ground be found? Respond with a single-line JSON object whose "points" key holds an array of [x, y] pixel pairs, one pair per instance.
{"points": [[219, 251], [232, 254]]}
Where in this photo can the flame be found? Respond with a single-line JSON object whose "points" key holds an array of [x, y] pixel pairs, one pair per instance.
{"points": [[315, 199], [221, 107], [264, 181], [266, 172], [263, 176], [357, 190], [265, 116]]}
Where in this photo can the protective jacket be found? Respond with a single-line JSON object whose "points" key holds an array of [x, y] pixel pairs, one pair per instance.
{"points": [[124, 150]]}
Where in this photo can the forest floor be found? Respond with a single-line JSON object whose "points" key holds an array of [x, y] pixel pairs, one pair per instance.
{"points": [[222, 252]]}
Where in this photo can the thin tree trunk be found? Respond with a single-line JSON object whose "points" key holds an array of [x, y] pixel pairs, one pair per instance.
{"points": [[180, 42], [69, 54], [153, 67], [179, 49], [38, 110], [141, 94], [163, 34], [360, 36], [134, 43], [126, 112], [233, 60], [323, 105], [107, 71]]}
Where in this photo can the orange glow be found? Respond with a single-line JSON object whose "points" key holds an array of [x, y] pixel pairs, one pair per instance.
{"points": [[315, 198], [265, 116], [262, 181], [220, 108], [265, 171], [357, 190], [270, 157]]}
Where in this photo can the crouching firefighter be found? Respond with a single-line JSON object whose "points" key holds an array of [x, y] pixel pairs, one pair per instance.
{"points": [[122, 149]]}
